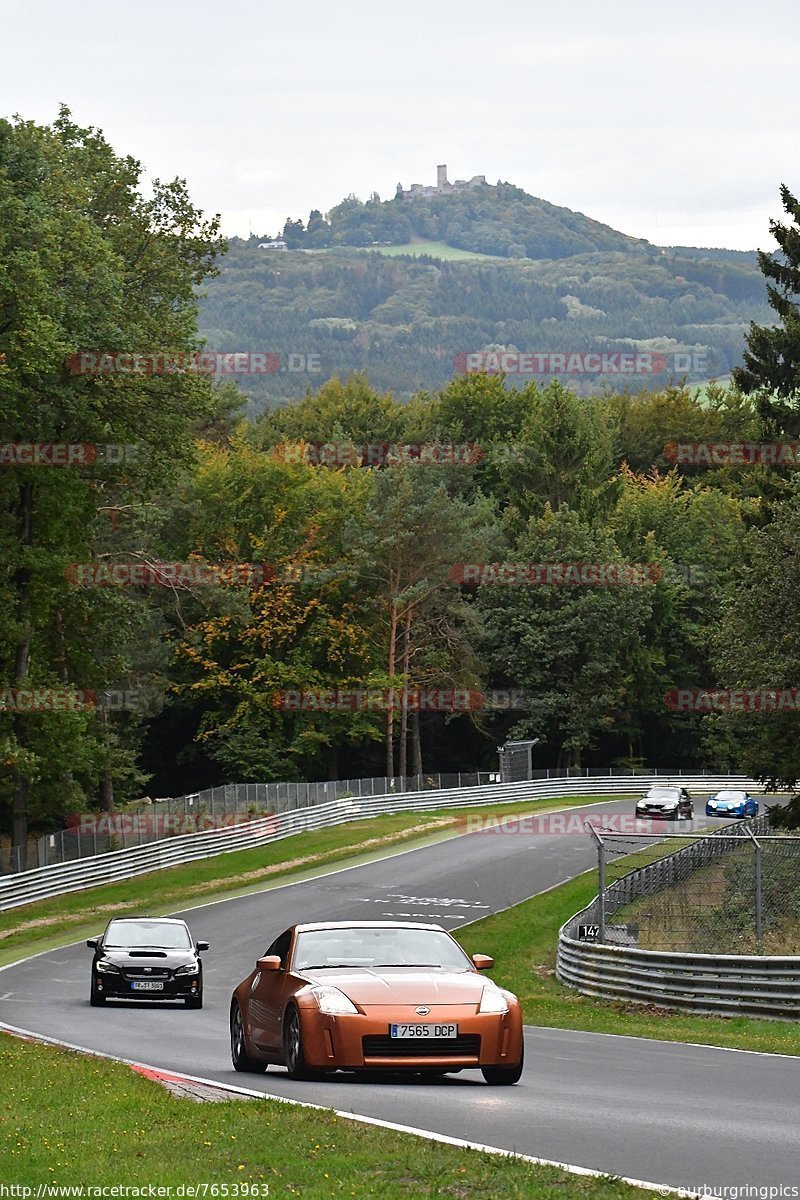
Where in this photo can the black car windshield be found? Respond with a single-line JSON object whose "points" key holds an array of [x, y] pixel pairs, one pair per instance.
{"points": [[663, 793], [362, 946], [147, 935]]}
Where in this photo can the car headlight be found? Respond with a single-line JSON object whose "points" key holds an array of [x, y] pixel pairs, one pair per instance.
{"points": [[493, 1000], [332, 1001], [106, 968], [189, 969]]}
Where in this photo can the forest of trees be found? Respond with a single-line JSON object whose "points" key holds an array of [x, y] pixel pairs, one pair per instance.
{"points": [[406, 320], [358, 578]]}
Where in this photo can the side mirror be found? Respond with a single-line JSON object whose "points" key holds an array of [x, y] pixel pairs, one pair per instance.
{"points": [[202, 945], [482, 962], [271, 963], [92, 943]]}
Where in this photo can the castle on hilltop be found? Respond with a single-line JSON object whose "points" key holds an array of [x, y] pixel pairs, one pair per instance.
{"points": [[443, 185]]}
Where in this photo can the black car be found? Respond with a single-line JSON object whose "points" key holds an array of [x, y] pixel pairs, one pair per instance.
{"points": [[146, 958], [668, 801]]}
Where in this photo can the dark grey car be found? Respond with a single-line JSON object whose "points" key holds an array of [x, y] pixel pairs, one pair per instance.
{"points": [[146, 958], [669, 801]]}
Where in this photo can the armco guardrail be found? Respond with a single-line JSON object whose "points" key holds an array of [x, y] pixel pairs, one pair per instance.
{"points": [[726, 984], [98, 833], [38, 884]]}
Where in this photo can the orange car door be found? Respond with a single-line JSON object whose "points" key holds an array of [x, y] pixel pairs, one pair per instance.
{"points": [[265, 996]]}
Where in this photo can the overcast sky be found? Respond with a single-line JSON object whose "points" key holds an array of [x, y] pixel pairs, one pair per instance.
{"points": [[674, 120]]}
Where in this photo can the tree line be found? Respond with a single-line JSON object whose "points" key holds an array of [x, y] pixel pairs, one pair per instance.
{"points": [[315, 567], [406, 320]]}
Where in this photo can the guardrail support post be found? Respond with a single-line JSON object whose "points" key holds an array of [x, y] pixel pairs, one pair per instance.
{"points": [[601, 882], [758, 893]]}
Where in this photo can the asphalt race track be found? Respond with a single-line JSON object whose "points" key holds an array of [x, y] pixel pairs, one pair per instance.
{"points": [[680, 1115]]}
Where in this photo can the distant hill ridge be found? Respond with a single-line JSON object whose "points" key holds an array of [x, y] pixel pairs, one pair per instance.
{"points": [[403, 289]]}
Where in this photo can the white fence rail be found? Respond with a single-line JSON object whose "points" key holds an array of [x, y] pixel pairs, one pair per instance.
{"points": [[43, 882]]}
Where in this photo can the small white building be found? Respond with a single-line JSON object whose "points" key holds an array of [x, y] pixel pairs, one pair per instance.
{"points": [[272, 246]]}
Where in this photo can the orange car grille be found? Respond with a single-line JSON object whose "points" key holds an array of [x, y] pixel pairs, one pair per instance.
{"points": [[380, 1046]]}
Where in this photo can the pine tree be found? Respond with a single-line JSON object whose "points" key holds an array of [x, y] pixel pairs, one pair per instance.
{"points": [[772, 360]]}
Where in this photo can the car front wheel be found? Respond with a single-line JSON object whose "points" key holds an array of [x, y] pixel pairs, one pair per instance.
{"points": [[96, 999], [499, 1076], [240, 1058], [296, 1066]]}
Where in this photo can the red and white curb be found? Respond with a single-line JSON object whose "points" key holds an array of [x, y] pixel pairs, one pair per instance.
{"points": [[196, 1087]]}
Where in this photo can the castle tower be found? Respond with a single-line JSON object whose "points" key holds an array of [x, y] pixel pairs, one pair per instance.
{"points": [[441, 176]]}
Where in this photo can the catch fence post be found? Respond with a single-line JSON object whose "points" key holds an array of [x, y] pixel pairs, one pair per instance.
{"points": [[757, 887], [601, 882]]}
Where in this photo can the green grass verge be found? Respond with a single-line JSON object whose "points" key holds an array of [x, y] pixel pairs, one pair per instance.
{"points": [[523, 942], [46, 924], [67, 1119], [436, 250]]}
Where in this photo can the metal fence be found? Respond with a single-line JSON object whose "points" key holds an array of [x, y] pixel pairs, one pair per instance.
{"points": [[101, 833], [23, 887], [735, 890], [212, 808], [713, 925]]}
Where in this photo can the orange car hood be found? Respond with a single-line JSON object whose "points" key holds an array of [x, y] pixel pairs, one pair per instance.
{"points": [[404, 985]]}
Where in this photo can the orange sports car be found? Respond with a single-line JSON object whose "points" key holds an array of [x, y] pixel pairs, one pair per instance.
{"points": [[374, 995]]}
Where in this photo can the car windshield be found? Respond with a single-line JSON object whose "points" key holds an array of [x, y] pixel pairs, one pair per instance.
{"points": [[362, 946], [662, 793], [141, 935], [735, 796]]}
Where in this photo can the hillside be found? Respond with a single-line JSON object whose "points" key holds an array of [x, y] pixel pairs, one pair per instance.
{"points": [[403, 289], [500, 220]]}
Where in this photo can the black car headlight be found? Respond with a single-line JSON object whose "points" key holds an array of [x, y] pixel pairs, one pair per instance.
{"points": [[107, 968], [189, 969]]}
